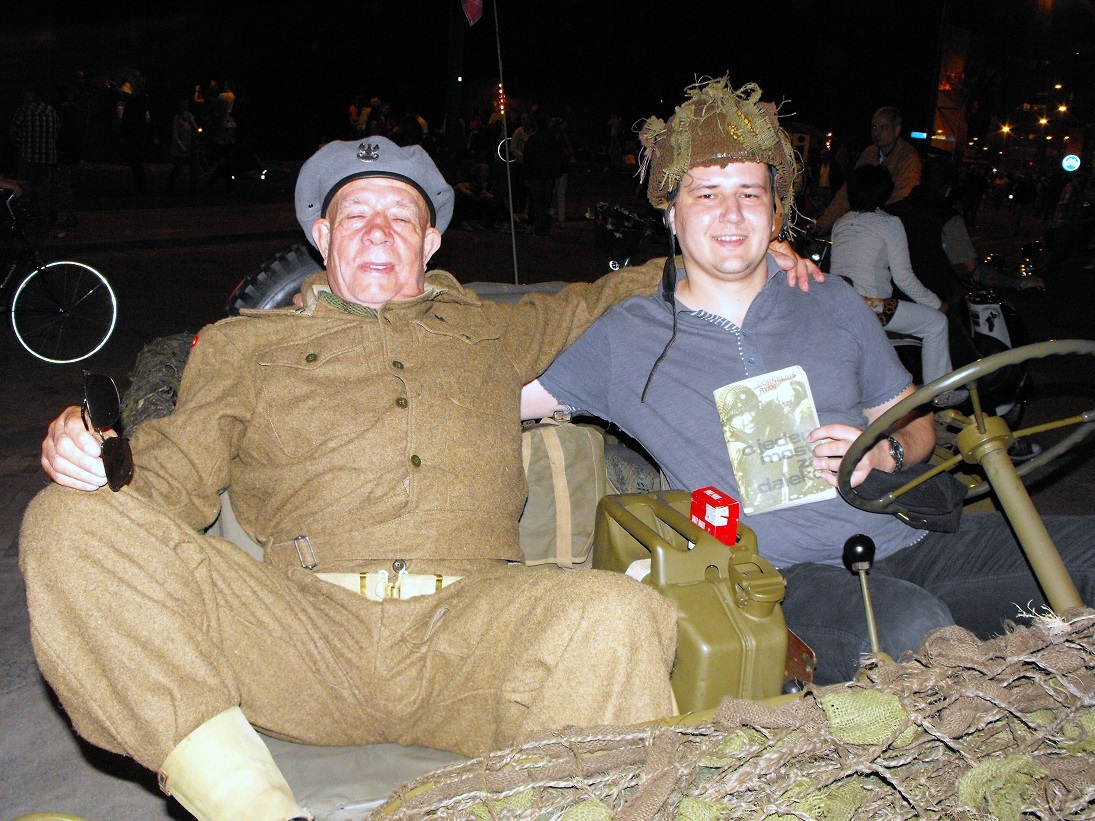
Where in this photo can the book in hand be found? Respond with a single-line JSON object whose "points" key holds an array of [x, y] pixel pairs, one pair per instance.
{"points": [[765, 420]]}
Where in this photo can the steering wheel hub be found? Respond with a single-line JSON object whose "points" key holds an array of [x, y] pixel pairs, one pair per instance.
{"points": [[974, 443]]}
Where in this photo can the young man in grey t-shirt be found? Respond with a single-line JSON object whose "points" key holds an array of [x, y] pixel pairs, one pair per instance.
{"points": [[723, 171]]}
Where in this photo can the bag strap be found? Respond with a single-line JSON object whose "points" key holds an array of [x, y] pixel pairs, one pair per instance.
{"points": [[557, 460], [526, 453]]}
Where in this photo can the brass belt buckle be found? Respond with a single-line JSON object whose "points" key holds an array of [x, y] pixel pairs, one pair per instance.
{"points": [[399, 566], [385, 589]]}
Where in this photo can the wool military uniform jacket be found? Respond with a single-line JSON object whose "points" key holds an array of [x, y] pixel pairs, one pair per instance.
{"points": [[377, 437]]}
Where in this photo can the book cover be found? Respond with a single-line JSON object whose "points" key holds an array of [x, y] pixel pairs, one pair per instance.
{"points": [[765, 420]]}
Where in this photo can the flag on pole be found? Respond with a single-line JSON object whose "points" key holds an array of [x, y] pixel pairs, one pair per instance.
{"points": [[473, 10]]}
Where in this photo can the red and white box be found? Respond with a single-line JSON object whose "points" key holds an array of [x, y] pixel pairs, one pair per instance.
{"points": [[717, 513]]}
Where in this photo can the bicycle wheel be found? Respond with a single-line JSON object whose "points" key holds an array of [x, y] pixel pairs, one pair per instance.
{"points": [[63, 312]]}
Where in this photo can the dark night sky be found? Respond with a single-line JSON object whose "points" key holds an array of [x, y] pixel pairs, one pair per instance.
{"points": [[834, 62]]}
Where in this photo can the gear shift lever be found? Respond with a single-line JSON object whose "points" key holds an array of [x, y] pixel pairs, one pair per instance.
{"points": [[858, 558]]}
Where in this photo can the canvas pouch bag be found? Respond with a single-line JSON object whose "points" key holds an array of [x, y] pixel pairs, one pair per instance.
{"points": [[565, 469]]}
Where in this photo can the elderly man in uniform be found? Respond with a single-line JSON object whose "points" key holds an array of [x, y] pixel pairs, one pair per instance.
{"points": [[370, 439], [886, 149]]}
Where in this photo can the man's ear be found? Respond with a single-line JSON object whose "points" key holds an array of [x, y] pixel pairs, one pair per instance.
{"points": [[321, 235], [431, 241], [777, 220]]}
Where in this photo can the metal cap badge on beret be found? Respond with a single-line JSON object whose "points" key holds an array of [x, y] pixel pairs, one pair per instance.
{"points": [[338, 163]]}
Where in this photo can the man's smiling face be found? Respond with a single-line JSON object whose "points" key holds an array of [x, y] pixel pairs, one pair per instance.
{"points": [[375, 240], [724, 219]]}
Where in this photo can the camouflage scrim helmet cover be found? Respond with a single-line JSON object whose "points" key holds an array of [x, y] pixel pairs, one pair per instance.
{"points": [[717, 125]]}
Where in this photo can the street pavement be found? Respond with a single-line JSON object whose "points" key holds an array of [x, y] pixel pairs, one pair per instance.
{"points": [[174, 259]]}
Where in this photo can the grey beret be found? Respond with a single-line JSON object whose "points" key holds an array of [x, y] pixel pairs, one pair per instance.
{"points": [[338, 163]]}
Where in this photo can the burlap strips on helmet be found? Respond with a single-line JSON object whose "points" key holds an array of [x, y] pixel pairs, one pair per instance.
{"points": [[717, 125]]}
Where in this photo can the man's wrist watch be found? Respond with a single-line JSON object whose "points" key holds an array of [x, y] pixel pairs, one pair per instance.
{"points": [[897, 453]]}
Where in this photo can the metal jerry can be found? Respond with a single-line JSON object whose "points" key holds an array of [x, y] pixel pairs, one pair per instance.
{"points": [[731, 636]]}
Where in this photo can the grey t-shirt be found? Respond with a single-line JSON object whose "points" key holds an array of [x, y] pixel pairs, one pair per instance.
{"points": [[829, 331]]}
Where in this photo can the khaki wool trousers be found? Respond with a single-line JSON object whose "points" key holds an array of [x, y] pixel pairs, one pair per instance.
{"points": [[146, 629]]}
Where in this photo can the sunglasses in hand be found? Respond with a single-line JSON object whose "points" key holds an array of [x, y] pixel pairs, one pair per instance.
{"points": [[100, 411]]}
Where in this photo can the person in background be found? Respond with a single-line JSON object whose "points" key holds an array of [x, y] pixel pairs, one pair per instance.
{"points": [[561, 129], [887, 148], [518, 140], [543, 162], [132, 118], [34, 128], [223, 138], [184, 146], [871, 252], [70, 153]]}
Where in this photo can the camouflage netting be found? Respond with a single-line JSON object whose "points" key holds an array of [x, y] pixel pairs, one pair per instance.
{"points": [[1003, 729], [628, 471], [154, 383]]}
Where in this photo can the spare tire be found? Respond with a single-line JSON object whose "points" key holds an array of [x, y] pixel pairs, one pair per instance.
{"points": [[277, 280]]}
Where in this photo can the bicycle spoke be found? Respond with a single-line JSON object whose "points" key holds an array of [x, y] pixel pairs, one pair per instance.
{"points": [[77, 302], [69, 298], [46, 339]]}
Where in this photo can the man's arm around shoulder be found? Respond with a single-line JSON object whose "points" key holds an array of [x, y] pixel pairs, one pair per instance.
{"points": [[543, 324]]}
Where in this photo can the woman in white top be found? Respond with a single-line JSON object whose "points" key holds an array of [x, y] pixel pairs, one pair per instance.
{"points": [[871, 251]]}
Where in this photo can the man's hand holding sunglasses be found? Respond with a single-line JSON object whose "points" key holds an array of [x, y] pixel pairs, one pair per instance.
{"points": [[81, 449], [71, 454]]}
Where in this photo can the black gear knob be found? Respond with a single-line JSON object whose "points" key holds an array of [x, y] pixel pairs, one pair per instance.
{"points": [[858, 558], [858, 553]]}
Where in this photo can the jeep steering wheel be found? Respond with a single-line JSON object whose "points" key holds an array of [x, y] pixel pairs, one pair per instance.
{"points": [[980, 434], [984, 440]]}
